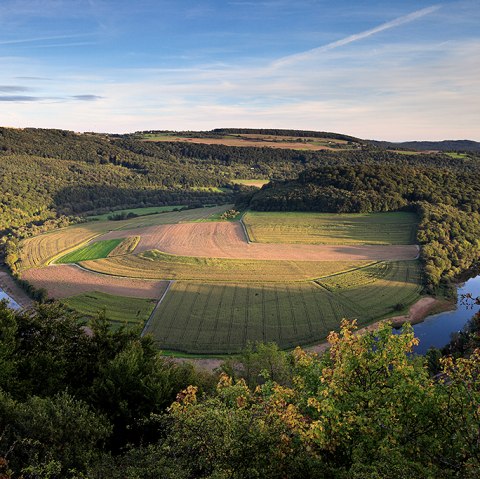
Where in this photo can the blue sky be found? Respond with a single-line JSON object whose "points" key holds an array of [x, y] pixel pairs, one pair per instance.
{"points": [[395, 70]]}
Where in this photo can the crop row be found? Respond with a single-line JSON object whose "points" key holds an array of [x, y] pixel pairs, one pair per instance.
{"points": [[220, 318], [157, 265]]}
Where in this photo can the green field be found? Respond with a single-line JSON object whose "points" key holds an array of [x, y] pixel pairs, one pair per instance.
{"points": [[220, 318], [137, 211], [130, 312], [326, 228], [100, 249], [456, 155]]}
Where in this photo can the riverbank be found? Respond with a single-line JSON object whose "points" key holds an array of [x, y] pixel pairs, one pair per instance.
{"points": [[8, 284]]}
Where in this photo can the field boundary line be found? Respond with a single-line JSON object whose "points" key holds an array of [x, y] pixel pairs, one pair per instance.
{"points": [[352, 269], [111, 275], [149, 320], [247, 237], [71, 250]]}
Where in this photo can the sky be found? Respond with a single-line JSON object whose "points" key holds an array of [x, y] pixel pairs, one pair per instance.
{"points": [[391, 70]]}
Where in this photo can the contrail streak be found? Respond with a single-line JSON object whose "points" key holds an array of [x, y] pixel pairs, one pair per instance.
{"points": [[356, 37]]}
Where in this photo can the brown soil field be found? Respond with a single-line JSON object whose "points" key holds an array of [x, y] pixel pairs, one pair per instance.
{"points": [[62, 281], [227, 240], [294, 145]]}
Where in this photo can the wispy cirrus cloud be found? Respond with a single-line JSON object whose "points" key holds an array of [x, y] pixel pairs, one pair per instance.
{"points": [[45, 38], [19, 98], [307, 55], [13, 89], [86, 97]]}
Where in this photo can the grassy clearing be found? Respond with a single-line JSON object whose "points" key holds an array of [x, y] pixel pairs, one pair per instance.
{"points": [[325, 228], [258, 183], [130, 312], [158, 265], [211, 318], [100, 249], [456, 155], [137, 211], [127, 246]]}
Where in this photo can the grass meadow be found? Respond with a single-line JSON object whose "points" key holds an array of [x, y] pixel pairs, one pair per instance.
{"points": [[397, 228], [119, 310], [100, 249]]}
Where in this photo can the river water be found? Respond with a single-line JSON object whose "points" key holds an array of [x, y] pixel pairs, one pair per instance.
{"points": [[11, 302], [435, 330]]}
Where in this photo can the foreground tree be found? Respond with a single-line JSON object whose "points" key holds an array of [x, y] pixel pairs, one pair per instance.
{"points": [[366, 409]]}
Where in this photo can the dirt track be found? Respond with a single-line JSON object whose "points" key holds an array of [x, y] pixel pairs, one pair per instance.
{"points": [[62, 281], [227, 240]]}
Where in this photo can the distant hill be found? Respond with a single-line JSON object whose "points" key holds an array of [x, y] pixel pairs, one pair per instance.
{"points": [[445, 145]]}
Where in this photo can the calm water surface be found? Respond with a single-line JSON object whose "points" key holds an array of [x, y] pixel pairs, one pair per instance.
{"points": [[10, 301], [435, 331]]}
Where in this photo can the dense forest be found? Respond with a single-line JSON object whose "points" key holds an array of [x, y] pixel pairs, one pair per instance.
{"points": [[108, 405]]}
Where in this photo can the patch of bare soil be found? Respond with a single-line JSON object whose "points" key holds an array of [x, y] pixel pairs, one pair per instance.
{"points": [[227, 240], [62, 281]]}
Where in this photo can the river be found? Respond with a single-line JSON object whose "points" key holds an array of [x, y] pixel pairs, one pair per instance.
{"points": [[435, 330], [11, 302]]}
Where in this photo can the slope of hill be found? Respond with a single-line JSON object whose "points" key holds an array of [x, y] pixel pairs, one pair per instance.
{"points": [[445, 145]]}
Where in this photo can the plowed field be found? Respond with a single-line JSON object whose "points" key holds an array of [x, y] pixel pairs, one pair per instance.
{"points": [[227, 240], [62, 281]]}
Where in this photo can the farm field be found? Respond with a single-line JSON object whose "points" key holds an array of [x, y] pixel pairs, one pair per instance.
{"points": [[129, 312], [64, 280], [397, 228], [220, 318], [310, 271], [227, 240], [259, 141], [41, 250], [150, 210], [97, 250], [158, 265], [172, 217]]}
